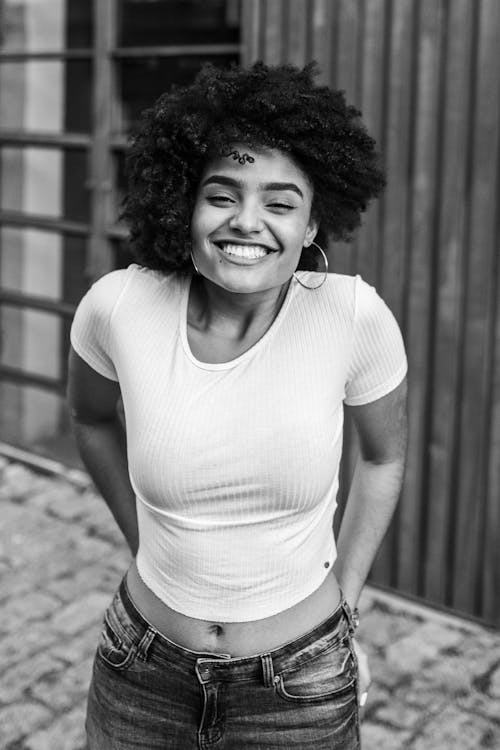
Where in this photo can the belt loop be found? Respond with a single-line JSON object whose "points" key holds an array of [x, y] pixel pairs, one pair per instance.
{"points": [[267, 670], [145, 643]]}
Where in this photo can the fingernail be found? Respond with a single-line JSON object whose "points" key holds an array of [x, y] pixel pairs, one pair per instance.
{"points": [[363, 699]]}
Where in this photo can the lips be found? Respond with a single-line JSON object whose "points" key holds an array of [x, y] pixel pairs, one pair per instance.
{"points": [[244, 250]]}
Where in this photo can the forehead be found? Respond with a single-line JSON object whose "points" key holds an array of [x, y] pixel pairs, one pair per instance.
{"points": [[264, 166]]}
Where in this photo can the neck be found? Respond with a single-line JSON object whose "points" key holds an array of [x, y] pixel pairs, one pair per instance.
{"points": [[217, 308]]}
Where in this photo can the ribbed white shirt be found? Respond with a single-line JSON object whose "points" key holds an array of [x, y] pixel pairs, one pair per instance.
{"points": [[235, 465]]}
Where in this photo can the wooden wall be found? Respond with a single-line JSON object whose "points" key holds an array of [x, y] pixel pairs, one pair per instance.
{"points": [[426, 75]]}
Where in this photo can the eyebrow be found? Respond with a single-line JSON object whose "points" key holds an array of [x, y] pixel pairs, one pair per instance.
{"points": [[231, 182]]}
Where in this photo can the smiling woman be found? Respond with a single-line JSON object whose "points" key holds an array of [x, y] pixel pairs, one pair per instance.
{"points": [[236, 619], [251, 221]]}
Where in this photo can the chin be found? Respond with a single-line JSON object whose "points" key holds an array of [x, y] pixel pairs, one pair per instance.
{"points": [[245, 283]]}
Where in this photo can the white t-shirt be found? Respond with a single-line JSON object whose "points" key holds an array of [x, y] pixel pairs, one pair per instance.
{"points": [[235, 465]]}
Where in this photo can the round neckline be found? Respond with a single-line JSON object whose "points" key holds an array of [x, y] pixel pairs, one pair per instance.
{"points": [[246, 354]]}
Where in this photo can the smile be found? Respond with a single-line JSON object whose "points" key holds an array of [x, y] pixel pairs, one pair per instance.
{"points": [[249, 252]]}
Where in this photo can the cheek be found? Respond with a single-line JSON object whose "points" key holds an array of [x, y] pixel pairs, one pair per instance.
{"points": [[204, 221], [199, 224]]}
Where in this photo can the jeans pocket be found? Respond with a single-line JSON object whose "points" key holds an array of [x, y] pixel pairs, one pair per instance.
{"points": [[331, 674], [113, 649]]}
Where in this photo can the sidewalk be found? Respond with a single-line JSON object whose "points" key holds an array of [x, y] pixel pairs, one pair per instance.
{"points": [[436, 679]]}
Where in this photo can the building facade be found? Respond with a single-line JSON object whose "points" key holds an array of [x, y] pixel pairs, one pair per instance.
{"points": [[73, 78]]}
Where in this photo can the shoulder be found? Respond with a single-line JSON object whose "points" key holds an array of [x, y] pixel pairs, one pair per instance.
{"points": [[348, 295], [134, 281], [333, 301]]}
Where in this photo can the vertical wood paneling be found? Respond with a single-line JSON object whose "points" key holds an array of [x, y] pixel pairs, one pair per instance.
{"points": [[410, 516], [251, 23], [390, 273], [371, 103], [471, 466], [275, 14], [297, 31], [425, 74], [447, 302], [100, 257], [321, 36], [490, 580]]}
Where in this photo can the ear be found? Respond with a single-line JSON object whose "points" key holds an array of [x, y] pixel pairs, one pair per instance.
{"points": [[311, 231]]}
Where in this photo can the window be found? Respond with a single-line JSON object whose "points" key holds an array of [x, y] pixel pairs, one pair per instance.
{"points": [[74, 77]]}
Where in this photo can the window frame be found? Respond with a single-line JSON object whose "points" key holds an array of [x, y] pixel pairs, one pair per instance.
{"points": [[99, 145]]}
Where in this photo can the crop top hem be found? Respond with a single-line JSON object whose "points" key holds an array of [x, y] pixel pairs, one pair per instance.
{"points": [[250, 612]]}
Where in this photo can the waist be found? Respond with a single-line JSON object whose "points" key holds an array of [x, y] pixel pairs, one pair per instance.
{"points": [[234, 638]]}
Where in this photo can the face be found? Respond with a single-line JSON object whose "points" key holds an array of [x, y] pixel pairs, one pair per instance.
{"points": [[251, 220]]}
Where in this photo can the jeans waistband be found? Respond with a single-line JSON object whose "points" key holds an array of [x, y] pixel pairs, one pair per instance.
{"points": [[336, 627]]}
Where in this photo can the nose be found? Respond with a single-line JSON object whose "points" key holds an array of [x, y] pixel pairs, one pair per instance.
{"points": [[246, 219]]}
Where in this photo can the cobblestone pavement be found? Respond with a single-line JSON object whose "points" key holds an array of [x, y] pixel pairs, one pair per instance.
{"points": [[436, 679]]}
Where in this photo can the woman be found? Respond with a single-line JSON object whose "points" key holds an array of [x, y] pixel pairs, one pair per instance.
{"points": [[234, 625]]}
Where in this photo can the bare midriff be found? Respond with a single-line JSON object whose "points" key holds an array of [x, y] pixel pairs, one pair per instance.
{"points": [[235, 638]]}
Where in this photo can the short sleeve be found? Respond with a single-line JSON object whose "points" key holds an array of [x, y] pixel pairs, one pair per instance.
{"points": [[378, 358], [91, 335]]}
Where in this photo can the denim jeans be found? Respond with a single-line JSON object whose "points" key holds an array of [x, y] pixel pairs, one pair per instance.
{"points": [[147, 692]]}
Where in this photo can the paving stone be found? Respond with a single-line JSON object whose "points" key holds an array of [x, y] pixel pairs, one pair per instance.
{"points": [[20, 719], [24, 642], [378, 696], [446, 675], [32, 606], [454, 729], [381, 629], [480, 653], [495, 685], [81, 614], [397, 713], [78, 478], [65, 733], [29, 536], [412, 652], [60, 500], [78, 648], [435, 685], [89, 578], [491, 737], [19, 481], [18, 678], [384, 673], [425, 695], [63, 691], [476, 703], [88, 550], [377, 737]]}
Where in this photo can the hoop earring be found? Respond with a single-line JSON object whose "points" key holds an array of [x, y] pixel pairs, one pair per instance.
{"points": [[325, 273], [197, 270]]}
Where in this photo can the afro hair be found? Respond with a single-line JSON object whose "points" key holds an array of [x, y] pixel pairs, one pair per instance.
{"points": [[262, 107]]}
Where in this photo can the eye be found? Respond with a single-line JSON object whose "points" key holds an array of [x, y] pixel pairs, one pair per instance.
{"points": [[280, 207], [220, 200]]}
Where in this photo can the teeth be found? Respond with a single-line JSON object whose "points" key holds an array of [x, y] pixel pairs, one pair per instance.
{"points": [[245, 251]]}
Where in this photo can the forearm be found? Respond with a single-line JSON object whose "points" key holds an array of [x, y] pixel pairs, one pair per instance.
{"points": [[372, 499], [102, 446]]}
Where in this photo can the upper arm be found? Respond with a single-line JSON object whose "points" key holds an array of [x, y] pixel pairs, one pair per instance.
{"points": [[91, 396], [382, 426]]}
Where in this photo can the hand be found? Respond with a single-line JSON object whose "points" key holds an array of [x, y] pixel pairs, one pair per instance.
{"points": [[364, 677]]}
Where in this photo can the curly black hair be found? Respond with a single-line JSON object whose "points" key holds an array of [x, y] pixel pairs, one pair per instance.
{"points": [[262, 107]]}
